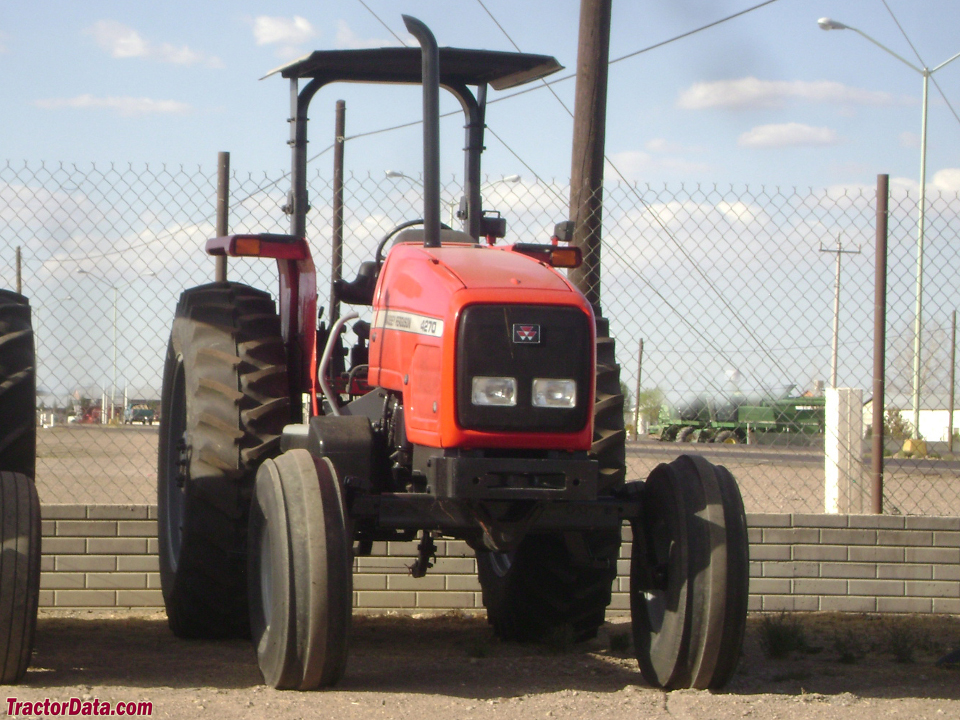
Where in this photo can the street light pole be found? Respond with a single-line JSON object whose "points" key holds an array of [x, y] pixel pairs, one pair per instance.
{"points": [[925, 72], [116, 298]]}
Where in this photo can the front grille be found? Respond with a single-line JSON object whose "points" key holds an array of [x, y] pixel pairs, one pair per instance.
{"points": [[486, 347]]}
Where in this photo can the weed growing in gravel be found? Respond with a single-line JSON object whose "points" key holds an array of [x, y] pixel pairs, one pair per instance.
{"points": [[781, 634], [848, 645], [900, 640]]}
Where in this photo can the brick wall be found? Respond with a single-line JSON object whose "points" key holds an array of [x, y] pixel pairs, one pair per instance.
{"points": [[99, 556], [106, 556], [856, 563]]}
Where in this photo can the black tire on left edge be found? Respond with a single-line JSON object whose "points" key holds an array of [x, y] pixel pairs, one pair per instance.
{"points": [[18, 386], [686, 575], [299, 572], [19, 573], [544, 587], [224, 404]]}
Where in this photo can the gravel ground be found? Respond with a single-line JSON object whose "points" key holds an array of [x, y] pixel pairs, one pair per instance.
{"points": [[96, 464], [450, 666]]}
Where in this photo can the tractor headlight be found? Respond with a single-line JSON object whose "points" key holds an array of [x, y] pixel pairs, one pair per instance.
{"points": [[553, 393], [494, 391]]}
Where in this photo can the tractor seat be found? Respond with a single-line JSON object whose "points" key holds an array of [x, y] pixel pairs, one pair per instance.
{"points": [[415, 235]]}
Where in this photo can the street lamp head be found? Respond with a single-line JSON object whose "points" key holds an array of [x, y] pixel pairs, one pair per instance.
{"points": [[394, 174], [826, 23], [512, 179]]}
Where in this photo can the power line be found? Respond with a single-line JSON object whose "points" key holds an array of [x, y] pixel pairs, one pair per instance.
{"points": [[545, 83], [692, 32], [944, 96], [170, 233], [904, 33], [548, 83], [920, 59], [651, 210], [380, 20]]}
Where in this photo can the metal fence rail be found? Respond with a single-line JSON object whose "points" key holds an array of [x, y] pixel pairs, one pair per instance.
{"points": [[730, 289]]}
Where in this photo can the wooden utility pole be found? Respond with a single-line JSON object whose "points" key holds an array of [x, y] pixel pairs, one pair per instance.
{"points": [[589, 122]]}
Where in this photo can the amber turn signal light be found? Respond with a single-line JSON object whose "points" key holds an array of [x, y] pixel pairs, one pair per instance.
{"points": [[561, 257]]}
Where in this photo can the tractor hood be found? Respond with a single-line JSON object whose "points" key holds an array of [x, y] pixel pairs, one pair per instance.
{"points": [[478, 267]]}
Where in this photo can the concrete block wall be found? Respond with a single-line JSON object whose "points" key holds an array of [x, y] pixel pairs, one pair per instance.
{"points": [[855, 563], [99, 556], [106, 556]]}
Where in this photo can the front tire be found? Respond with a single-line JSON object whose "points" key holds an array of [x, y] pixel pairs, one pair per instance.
{"points": [[224, 404], [689, 576], [300, 581]]}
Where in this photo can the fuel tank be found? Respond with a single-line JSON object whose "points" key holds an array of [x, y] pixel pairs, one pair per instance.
{"points": [[444, 316]]}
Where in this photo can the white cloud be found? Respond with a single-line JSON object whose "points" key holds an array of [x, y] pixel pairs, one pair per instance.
{"points": [[347, 39], [740, 212], [751, 93], [126, 106], [947, 180], [122, 41], [287, 33], [788, 134]]}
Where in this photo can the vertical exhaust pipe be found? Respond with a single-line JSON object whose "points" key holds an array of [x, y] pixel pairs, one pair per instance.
{"points": [[431, 129]]}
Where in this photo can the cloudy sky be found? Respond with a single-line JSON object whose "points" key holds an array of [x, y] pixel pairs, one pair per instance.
{"points": [[767, 98]]}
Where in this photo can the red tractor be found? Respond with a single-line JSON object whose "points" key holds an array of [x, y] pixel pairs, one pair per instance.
{"points": [[481, 403]]}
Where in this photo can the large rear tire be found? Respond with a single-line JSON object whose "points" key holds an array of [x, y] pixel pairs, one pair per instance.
{"points": [[18, 386], [300, 581], [19, 573], [559, 583], [224, 404], [544, 590], [688, 576]]}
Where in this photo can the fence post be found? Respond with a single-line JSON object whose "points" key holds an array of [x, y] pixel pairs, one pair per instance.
{"points": [[843, 462], [636, 400], [223, 209], [19, 273], [953, 379], [879, 345]]}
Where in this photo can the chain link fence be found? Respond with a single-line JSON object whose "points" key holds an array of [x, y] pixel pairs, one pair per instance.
{"points": [[721, 300]]}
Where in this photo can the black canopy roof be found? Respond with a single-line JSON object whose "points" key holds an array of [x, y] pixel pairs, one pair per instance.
{"points": [[500, 70]]}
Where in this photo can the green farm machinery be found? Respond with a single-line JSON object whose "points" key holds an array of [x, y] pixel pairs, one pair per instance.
{"points": [[739, 421]]}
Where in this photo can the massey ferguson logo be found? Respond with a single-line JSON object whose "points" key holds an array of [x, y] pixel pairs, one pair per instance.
{"points": [[526, 333]]}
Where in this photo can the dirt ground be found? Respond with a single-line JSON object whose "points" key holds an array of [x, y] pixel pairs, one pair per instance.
{"points": [[97, 464], [450, 666]]}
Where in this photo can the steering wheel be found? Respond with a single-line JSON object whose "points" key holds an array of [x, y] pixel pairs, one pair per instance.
{"points": [[398, 228]]}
